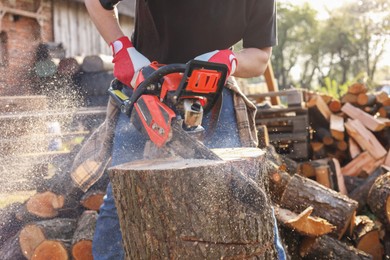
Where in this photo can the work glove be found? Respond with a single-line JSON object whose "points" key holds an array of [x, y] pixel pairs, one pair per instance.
{"points": [[127, 61], [226, 57]]}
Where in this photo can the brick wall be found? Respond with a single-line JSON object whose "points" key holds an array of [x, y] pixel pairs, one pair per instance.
{"points": [[23, 36]]}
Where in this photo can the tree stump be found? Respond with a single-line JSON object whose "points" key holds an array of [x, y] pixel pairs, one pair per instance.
{"points": [[200, 209]]}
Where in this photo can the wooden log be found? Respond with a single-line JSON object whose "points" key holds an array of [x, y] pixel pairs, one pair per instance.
{"points": [[70, 66], [366, 119], [46, 68], [317, 106], [9, 225], [318, 150], [278, 180], [355, 167], [41, 205], [379, 199], [51, 249], [349, 98], [34, 234], [384, 111], [337, 128], [324, 136], [365, 99], [304, 223], [323, 176], [366, 237], [302, 192], [387, 160], [308, 168], [92, 199], [360, 193], [11, 249], [83, 236], [262, 134], [357, 88], [353, 148], [328, 248], [97, 63], [366, 140], [192, 208], [338, 178], [381, 97], [334, 106]]}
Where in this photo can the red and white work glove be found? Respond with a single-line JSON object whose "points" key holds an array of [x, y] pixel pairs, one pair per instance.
{"points": [[127, 61], [226, 57]]}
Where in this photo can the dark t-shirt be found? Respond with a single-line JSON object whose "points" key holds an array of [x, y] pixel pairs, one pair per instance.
{"points": [[171, 31]]}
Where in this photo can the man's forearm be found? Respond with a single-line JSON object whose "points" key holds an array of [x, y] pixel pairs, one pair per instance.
{"points": [[105, 21], [252, 62]]}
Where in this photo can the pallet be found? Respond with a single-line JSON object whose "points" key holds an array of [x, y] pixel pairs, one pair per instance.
{"points": [[288, 127]]}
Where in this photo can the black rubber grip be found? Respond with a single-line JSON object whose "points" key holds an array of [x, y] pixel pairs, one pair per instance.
{"points": [[109, 4]]}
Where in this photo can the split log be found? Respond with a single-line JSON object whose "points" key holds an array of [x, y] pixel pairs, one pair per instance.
{"points": [[365, 138], [308, 168], [328, 248], [192, 208], [303, 223], [9, 225], [337, 128], [379, 199], [336, 208], [355, 167], [34, 234], [97, 63], [353, 148], [262, 134], [51, 249], [83, 236], [360, 193], [366, 237], [387, 160], [338, 178], [41, 206], [324, 136], [319, 111], [323, 176], [366, 119], [381, 97]]}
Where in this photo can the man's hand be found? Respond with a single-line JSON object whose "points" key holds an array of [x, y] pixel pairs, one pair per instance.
{"points": [[226, 57], [127, 61]]}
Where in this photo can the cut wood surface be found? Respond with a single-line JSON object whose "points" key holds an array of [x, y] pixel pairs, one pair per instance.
{"points": [[336, 168], [337, 128], [304, 223], [34, 234], [93, 199], [328, 248], [51, 249], [366, 237], [192, 208], [387, 160], [366, 139], [316, 102], [336, 208], [83, 236], [379, 199], [353, 148], [366, 119], [357, 88], [70, 66]]}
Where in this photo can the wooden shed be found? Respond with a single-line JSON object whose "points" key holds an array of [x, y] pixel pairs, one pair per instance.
{"points": [[24, 24]]}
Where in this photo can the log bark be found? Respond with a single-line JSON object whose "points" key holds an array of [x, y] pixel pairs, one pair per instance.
{"points": [[70, 66], [9, 225], [336, 208], [83, 236], [379, 199], [46, 68], [328, 248], [11, 249], [192, 208]]}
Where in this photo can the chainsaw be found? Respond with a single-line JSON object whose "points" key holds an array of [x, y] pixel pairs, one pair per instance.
{"points": [[168, 105], [169, 101]]}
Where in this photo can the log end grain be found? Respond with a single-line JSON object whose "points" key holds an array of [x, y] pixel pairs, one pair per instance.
{"points": [[50, 249], [45, 204], [29, 239], [82, 250]]}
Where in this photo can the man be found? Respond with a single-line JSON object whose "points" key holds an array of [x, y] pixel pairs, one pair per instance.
{"points": [[176, 31]]}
